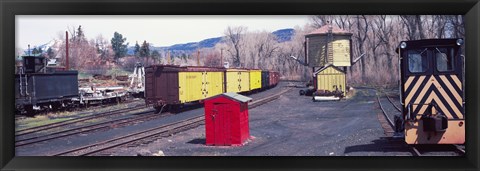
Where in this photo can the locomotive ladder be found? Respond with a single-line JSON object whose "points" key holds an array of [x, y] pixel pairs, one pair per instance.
{"points": [[329, 46], [23, 83]]}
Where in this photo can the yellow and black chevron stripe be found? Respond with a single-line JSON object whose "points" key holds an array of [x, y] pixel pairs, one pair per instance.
{"points": [[444, 90]]}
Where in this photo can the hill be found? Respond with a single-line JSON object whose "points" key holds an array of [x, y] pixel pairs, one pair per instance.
{"points": [[281, 35]]}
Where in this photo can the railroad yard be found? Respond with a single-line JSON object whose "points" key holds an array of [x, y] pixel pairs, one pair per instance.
{"points": [[278, 127], [317, 93]]}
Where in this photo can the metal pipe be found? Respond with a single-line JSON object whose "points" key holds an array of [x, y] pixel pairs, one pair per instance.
{"points": [[66, 51], [198, 57], [221, 57]]}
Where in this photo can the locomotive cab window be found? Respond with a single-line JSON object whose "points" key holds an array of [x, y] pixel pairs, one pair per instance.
{"points": [[417, 60], [444, 59]]}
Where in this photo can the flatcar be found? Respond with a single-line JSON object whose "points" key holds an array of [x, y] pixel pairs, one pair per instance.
{"points": [[37, 88], [173, 86], [431, 91]]}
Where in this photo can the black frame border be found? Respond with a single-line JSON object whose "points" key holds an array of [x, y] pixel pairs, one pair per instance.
{"points": [[10, 8]]}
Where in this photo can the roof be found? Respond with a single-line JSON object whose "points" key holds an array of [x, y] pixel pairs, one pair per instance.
{"points": [[428, 43], [233, 96], [324, 30], [328, 66]]}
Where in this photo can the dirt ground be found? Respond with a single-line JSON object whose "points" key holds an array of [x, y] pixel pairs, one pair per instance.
{"points": [[292, 125]]}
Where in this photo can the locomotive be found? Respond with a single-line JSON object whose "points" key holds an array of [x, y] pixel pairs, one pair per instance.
{"points": [[432, 91], [40, 87]]}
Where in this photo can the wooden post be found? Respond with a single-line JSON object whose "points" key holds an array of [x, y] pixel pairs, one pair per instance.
{"points": [[198, 57], [168, 57], [221, 57]]}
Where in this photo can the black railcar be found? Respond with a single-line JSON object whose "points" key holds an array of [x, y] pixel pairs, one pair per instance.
{"points": [[37, 88], [265, 79]]}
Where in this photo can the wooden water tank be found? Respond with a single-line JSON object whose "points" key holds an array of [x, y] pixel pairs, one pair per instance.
{"points": [[328, 45]]}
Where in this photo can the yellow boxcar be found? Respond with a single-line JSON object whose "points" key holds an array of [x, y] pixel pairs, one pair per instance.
{"points": [[255, 79], [238, 80], [199, 83], [330, 78]]}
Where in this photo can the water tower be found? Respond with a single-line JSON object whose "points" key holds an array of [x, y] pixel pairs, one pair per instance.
{"points": [[328, 51]]}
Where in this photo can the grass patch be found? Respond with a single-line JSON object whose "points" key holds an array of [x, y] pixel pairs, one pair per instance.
{"points": [[117, 71], [39, 121], [82, 75]]}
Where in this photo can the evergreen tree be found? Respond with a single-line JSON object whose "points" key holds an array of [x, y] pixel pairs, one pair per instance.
{"points": [[145, 49], [136, 51], [35, 51], [50, 53], [156, 55], [118, 46], [80, 37]]}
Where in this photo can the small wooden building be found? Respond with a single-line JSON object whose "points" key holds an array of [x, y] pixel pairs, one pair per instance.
{"points": [[226, 119], [330, 81], [328, 45]]}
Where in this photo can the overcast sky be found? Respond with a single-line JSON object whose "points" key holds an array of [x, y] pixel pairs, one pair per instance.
{"points": [[162, 30]]}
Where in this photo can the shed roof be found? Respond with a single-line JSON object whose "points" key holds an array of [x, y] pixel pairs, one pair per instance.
{"points": [[324, 30], [233, 96], [328, 66]]}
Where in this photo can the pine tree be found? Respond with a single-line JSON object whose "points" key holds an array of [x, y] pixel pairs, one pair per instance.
{"points": [[145, 49], [35, 51], [118, 46], [50, 53], [155, 55], [136, 51], [80, 37]]}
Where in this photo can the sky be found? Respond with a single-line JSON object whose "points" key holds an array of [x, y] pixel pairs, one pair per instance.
{"points": [[161, 30]]}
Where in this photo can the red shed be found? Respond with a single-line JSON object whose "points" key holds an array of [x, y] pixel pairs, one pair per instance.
{"points": [[226, 119]]}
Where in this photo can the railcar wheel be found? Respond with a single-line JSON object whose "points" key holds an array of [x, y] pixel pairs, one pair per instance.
{"points": [[158, 109], [29, 110], [301, 92]]}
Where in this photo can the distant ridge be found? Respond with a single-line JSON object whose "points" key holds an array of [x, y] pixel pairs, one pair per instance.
{"points": [[281, 35]]}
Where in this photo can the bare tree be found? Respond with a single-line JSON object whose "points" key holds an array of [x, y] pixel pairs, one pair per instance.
{"points": [[234, 36]]}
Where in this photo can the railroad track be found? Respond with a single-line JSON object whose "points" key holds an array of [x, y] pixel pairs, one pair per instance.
{"points": [[414, 150], [148, 115], [160, 131], [76, 120]]}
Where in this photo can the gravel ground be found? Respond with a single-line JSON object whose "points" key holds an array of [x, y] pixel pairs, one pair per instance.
{"points": [[58, 145], [293, 126]]}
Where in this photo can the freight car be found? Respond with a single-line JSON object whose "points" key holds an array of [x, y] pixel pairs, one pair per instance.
{"points": [[265, 79], [431, 92], [174, 85], [255, 79], [36, 88], [237, 80], [39, 87]]}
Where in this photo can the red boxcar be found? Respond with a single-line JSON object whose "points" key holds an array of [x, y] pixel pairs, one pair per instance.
{"points": [[272, 79], [226, 119]]}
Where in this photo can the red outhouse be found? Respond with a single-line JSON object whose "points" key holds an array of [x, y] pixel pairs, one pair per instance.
{"points": [[226, 119]]}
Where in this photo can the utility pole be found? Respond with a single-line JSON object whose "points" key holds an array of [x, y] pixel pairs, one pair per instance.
{"points": [[198, 57]]}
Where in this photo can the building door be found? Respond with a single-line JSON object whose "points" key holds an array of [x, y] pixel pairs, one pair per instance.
{"points": [[221, 123]]}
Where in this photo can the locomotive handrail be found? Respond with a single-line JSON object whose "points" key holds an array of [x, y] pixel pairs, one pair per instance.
{"points": [[463, 78]]}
